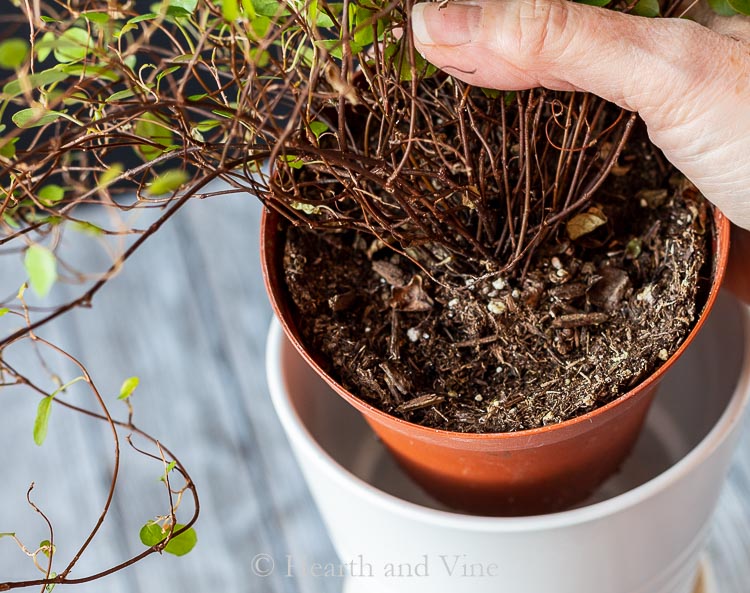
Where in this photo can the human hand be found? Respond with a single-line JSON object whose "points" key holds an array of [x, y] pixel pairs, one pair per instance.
{"points": [[690, 83]]}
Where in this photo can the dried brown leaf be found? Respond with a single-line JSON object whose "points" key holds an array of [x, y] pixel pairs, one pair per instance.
{"points": [[585, 223], [412, 297], [423, 401]]}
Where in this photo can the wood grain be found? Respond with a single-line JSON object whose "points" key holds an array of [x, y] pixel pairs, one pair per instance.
{"points": [[189, 316]]}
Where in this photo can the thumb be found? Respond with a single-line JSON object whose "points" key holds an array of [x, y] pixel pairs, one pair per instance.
{"points": [[686, 81], [519, 44]]}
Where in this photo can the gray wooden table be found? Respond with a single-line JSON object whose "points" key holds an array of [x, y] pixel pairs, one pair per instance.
{"points": [[189, 316]]}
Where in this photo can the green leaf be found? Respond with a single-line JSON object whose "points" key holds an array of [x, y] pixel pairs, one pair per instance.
{"points": [[293, 161], [50, 220], [181, 8], [41, 266], [48, 588], [186, 5], [47, 548], [45, 45], [42, 420], [4, 311], [230, 10], [13, 53], [207, 125], [249, 9], [183, 543], [128, 387], [10, 221], [51, 586], [100, 18], [364, 32], [318, 127], [74, 98], [87, 228], [73, 45], [332, 46], [722, 7], [260, 25], [269, 8], [170, 466], [110, 175], [35, 117], [8, 150], [143, 17], [166, 72], [422, 67], [153, 128], [126, 28], [633, 249], [594, 2], [182, 59], [90, 71], [51, 194], [648, 8], [168, 182], [120, 95], [34, 81], [224, 114], [318, 17], [741, 6], [152, 534], [8, 534], [491, 93]]}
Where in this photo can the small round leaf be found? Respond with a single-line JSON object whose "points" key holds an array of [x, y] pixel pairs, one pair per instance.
{"points": [[128, 387], [153, 128], [647, 8], [168, 182], [152, 534], [73, 45], [51, 194], [13, 53], [41, 266], [741, 6]]}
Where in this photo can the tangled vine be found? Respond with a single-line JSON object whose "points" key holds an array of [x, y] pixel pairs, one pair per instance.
{"points": [[322, 109]]}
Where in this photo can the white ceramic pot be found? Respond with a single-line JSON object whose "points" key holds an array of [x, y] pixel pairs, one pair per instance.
{"points": [[643, 532]]}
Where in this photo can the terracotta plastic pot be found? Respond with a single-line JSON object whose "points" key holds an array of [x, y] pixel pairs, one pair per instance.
{"points": [[642, 532], [520, 473]]}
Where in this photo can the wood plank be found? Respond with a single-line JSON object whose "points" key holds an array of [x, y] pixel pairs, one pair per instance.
{"points": [[189, 316]]}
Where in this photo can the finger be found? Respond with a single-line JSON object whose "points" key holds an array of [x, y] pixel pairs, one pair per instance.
{"points": [[689, 83], [563, 46]]}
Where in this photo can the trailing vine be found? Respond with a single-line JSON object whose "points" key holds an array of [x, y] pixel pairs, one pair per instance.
{"points": [[321, 109]]}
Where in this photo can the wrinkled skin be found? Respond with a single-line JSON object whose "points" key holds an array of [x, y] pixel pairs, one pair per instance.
{"points": [[690, 82]]}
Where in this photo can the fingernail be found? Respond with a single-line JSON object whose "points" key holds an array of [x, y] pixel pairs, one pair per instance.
{"points": [[455, 23]]}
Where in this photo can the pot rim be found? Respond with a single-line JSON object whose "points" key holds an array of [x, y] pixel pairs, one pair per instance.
{"points": [[297, 432], [720, 259]]}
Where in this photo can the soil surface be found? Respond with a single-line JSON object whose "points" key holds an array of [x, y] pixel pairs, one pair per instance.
{"points": [[589, 319]]}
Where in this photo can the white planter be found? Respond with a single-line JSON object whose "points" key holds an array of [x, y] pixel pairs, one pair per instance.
{"points": [[643, 532]]}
